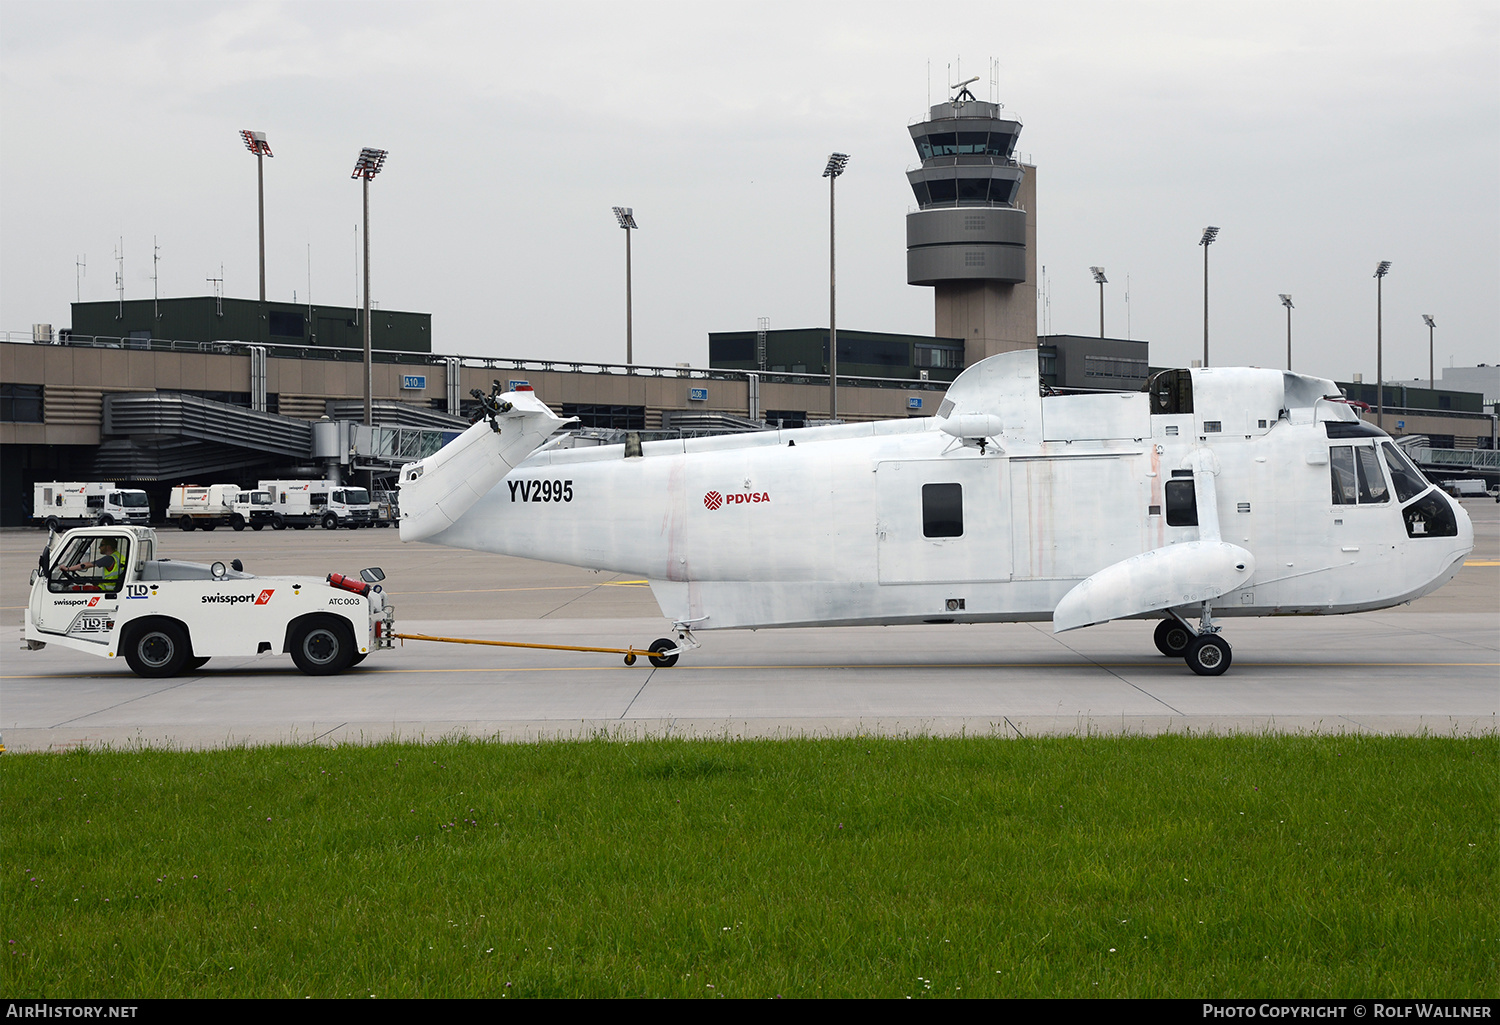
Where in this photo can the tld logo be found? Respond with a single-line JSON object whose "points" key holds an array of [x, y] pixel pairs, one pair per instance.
{"points": [[265, 596]]}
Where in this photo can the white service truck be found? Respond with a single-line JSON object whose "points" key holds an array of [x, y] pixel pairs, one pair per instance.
{"points": [[206, 506], [305, 503], [103, 590], [59, 504]]}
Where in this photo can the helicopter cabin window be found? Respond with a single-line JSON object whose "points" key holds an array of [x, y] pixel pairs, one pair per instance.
{"points": [[942, 510], [1356, 476], [1182, 503]]}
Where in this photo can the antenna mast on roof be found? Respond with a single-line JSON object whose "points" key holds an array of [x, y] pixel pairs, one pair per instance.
{"points": [[120, 277], [155, 259], [218, 284], [994, 79], [81, 271]]}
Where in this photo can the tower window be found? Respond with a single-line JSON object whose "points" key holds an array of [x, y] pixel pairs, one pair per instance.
{"points": [[973, 190], [943, 191]]}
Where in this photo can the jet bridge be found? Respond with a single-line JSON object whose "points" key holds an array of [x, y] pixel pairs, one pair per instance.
{"points": [[170, 436]]}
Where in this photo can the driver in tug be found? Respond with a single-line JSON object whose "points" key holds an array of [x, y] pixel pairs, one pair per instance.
{"points": [[108, 562]]}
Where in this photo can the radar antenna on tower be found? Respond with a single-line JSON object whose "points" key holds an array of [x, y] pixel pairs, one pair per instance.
{"points": [[963, 95]]}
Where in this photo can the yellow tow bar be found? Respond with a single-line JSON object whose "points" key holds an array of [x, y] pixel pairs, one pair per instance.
{"points": [[668, 657]]}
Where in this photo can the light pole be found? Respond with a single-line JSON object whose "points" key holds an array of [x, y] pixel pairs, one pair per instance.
{"points": [[626, 217], [1286, 301], [836, 164], [1099, 277], [1427, 319], [367, 167], [256, 143], [1380, 272], [1209, 234]]}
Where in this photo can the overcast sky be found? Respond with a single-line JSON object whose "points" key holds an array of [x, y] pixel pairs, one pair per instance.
{"points": [[1321, 138]]}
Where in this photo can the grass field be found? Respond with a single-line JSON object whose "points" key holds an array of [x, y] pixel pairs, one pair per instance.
{"points": [[1332, 866]]}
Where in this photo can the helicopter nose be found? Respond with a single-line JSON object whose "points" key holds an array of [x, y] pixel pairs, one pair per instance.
{"points": [[1465, 525]]}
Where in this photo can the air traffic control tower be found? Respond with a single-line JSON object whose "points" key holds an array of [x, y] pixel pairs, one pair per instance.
{"points": [[973, 236]]}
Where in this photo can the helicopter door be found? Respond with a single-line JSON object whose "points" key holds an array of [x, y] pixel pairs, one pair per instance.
{"points": [[942, 521]]}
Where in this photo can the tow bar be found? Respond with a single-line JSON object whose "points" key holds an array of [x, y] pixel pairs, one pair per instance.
{"points": [[662, 653]]}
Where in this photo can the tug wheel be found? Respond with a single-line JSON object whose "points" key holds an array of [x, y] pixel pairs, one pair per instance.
{"points": [[157, 649], [663, 661], [322, 647], [1208, 655], [1172, 638]]}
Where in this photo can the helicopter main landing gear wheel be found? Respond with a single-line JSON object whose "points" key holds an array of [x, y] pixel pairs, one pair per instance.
{"points": [[1172, 638], [1208, 655]]}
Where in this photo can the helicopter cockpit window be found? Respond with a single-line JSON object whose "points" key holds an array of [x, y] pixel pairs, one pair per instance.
{"points": [[1356, 476], [1408, 481], [1371, 480]]}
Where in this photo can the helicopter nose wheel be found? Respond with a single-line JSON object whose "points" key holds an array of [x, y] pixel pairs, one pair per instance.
{"points": [[1208, 655]]}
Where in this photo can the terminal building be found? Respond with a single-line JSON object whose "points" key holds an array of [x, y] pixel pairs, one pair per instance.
{"points": [[213, 318], [218, 390]]}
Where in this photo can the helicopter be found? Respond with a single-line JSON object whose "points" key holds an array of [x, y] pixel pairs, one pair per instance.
{"points": [[1212, 493]]}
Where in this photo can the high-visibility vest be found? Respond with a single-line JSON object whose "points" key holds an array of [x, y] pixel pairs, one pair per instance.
{"points": [[112, 575]]}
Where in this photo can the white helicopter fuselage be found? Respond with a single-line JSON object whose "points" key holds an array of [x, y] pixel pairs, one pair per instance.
{"points": [[1253, 498]]}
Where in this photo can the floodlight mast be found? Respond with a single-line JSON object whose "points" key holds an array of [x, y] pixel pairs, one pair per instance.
{"points": [[1209, 234], [1431, 378], [367, 167], [836, 164], [1101, 280], [625, 216], [1380, 272], [256, 143], [1286, 301]]}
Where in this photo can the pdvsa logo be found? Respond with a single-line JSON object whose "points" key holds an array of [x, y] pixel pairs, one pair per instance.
{"points": [[265, 596], [714, 500]]}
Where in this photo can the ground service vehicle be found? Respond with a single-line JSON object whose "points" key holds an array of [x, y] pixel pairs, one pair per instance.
{"points": [[1462, 487], [305, 503], [103, 590], [215, 505], [1212, 492], [59, 504], [385, 509], [252, 509]]}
